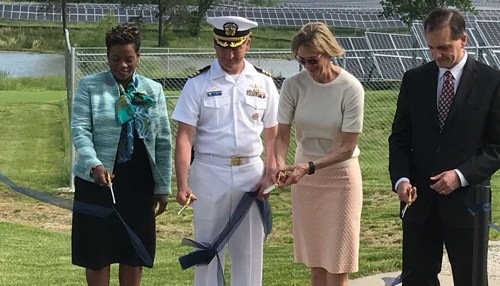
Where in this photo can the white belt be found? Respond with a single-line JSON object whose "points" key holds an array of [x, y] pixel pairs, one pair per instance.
{"points": [[229, 161]]}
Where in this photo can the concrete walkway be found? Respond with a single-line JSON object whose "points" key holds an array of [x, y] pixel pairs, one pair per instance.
{"points": [[385, 279]]}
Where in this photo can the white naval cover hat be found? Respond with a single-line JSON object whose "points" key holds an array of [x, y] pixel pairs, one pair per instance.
{"points": [[231, 31]]}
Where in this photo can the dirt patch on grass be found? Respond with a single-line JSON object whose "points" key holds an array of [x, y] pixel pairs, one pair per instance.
{"points": [[17, 208]]}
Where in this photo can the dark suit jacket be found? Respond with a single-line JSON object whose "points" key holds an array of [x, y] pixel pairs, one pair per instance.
{"points": [[469, 142]]}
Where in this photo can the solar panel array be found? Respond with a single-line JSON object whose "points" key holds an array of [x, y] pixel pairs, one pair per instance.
{"points": [[265, 16], [363, 14], [330, 3], [479, 34], [384, 56], [298, 16], [358, 59], [76, 12], [484, 15], [380, 56], [489, 33], [393, 53]]}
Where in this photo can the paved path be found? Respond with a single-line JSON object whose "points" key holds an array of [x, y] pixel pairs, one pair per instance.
{"points": [[385, 279], [380, 280]]}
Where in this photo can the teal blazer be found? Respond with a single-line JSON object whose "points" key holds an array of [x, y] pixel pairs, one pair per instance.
{"points": [[95, 131]]}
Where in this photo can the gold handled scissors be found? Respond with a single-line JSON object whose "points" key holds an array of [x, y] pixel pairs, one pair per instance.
{"points": [[110, 186], [275, 185], [187, 204], [408, 204]]}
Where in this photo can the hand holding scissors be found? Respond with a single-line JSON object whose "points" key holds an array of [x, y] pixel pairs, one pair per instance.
{"points": [[188, 202], [110, 186], [410, 200], [281, 175]]}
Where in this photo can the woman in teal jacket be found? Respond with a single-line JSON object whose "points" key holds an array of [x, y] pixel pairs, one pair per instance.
{"points": [[121, 132]]}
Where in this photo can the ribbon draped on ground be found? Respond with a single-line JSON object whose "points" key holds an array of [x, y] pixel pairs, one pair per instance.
{"points": [[399, 279], [84, 208], [207, 251]]}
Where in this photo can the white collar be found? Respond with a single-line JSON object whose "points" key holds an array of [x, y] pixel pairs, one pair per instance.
{"points": [[216, 70]]}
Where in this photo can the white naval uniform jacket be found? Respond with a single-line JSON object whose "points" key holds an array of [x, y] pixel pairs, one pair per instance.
{"points": [[229, 115]]}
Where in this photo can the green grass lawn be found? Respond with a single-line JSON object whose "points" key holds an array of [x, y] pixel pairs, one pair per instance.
{"points": [[35, 153], [35, 134], [21, 97]]}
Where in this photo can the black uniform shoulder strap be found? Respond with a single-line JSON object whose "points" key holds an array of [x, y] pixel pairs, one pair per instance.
{"points": [[200, 71], [262, 71]]}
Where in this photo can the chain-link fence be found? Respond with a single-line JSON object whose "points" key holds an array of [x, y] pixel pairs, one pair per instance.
{"points": [[172, 67]]}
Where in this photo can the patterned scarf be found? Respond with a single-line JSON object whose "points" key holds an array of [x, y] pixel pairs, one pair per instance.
{"points": [[132, 113]]}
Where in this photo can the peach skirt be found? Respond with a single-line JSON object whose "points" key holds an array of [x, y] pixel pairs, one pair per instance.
{"points": [[326, 213]]}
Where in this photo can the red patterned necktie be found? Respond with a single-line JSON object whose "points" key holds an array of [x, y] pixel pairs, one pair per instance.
{"points": [[446, 98]]}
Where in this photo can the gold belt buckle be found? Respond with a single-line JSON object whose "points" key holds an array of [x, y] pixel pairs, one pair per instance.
{"points": [[236, 161]]}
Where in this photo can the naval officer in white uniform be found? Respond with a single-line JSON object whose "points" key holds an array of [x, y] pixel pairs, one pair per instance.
{"points": [[223, 111]]}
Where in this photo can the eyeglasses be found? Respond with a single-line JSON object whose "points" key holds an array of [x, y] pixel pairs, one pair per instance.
{"points": [[310, 60]]}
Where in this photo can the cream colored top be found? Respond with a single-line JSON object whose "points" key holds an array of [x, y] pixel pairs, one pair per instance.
{"points": [[321, 112]]}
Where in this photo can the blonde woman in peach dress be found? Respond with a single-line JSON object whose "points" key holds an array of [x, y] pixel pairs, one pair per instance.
{"points": [[326, 104]]}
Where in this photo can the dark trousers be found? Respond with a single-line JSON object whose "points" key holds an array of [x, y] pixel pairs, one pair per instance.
{"points": [[423, 252]]}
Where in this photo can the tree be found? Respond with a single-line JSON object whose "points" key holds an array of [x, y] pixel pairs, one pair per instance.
{"points": [[198, 16], [64, 13], [411, 10], [167, 13]]}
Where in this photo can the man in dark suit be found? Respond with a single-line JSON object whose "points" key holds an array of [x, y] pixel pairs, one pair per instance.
{"points": [[445, 138]]}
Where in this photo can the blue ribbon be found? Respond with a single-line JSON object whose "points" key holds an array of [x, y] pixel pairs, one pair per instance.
{"points": [[486, 207], [91, 209], [400, 278], [37, 195], [207, 251], [84, 208], [137, 243]]}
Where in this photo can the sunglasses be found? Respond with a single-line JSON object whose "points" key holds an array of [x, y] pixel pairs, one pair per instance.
{"points": [[310, 60]]}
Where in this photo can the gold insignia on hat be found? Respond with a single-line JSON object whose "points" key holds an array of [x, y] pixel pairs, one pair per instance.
{"points": [[255, 116], [232, 42], [230, 29]]}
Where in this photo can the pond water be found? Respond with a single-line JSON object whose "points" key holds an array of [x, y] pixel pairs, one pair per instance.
{"points": [[26, 64]]}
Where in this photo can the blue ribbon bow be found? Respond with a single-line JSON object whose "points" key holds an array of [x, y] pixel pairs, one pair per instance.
{"points": [[207, 251]]}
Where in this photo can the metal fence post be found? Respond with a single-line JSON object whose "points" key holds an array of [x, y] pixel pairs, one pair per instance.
{"points": [[481, 230]]}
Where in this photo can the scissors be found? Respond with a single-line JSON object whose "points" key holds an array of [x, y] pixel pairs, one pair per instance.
{"points": [[275, 185], [408, 204], [187, 204], [110, 186]]}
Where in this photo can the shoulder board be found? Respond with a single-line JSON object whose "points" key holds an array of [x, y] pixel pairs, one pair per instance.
{"points": [[200, 71], [263, 71]]}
